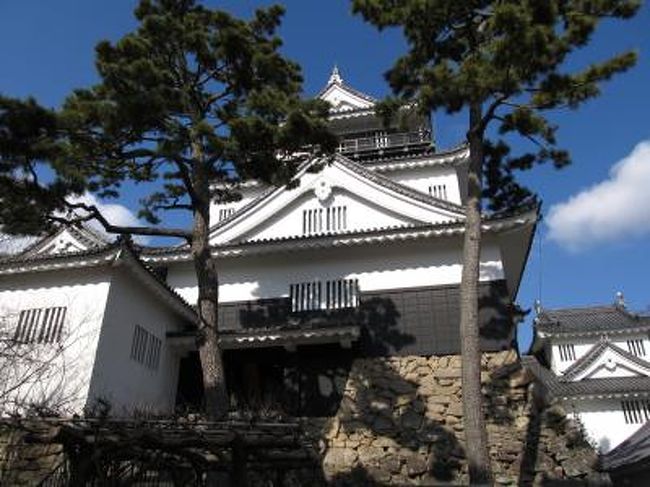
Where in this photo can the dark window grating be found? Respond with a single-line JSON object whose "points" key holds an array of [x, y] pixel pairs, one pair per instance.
{"points": [[636, 411], [40, 325], [317, 295], [319, 220], [438, 191], [225, 213], [636, 347], [567, 352], [145, 348]]}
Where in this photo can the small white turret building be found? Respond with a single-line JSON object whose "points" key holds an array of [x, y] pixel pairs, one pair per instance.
{"points": [[596, 362]]}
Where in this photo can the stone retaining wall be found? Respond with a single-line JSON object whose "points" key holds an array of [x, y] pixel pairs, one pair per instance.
{"points": [[23, 463], [400, 422]]}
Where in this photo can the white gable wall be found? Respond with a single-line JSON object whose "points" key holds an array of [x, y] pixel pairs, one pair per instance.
{"points": [[62, 385], [583, 345], [64, 242], [360, 215], [343, 181], [378, 267], [127, 385], [248, 194], [343, 99], [423, 178]]}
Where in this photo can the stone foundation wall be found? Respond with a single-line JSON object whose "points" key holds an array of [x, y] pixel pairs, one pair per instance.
{"points": [[400, 422], [23, 463]]}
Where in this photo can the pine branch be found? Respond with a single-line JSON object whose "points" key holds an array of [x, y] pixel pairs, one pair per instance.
{"points": [[95, 214]]}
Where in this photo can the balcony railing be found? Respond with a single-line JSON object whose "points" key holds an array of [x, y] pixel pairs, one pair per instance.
{"points": [[383, 141]]}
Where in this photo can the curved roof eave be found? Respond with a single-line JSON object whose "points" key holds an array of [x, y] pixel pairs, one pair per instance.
{"points": [[526, 216], [358, 169]]}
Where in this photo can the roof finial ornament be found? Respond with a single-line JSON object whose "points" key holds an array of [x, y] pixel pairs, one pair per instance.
{"points": [[335, 77], [538, 306], [620, 300]]}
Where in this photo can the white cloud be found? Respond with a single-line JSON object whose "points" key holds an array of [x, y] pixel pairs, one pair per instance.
{"points": [[116, 214], [14, 244], [614, 209]]}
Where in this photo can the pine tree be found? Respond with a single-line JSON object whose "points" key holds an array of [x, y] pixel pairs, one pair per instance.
{"points": [[503, 61], [29, 145], [193, 101]]}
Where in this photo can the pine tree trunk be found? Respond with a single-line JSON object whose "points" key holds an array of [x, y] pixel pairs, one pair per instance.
{"points": [[474, 419], [214, 383]]}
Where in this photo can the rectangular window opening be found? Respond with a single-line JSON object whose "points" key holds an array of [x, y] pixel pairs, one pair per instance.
{"points": [[636, 411], [145, 348], [636, 347], [567, 352], [225, 213], [337, 294], [40, 325], [319, 220]]}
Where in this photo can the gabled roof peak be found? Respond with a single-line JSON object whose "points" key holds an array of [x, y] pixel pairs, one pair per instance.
{"points": [[335, 77], [343, 97], [66, 239]]}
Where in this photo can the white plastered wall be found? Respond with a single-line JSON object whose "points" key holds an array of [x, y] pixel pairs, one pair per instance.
{"points": [[603, 421], [422, 178], [126, 385], [248, 194], [360, 215], [377, 267], [61, 376], [581, 347]]}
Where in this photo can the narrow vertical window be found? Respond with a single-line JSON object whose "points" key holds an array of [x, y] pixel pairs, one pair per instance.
{"points": [[567, 352], [225, 213], [438, 191], [330, 219], [636, 347], [636, 411]]}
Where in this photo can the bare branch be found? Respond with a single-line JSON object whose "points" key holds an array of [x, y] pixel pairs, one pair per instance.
{"points": [[94, 213]]}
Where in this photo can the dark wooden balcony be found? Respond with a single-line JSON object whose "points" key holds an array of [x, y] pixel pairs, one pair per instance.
{"points": [[384, 142]]}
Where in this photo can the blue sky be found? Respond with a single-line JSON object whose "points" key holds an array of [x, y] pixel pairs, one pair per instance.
{"points": [[597, 243]]}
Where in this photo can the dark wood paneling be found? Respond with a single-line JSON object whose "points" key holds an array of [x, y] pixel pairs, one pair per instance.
{"points": [[416, 321]]}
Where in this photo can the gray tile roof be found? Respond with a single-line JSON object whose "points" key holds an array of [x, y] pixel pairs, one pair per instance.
{"points": [[591, 320], [559, 390]]}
